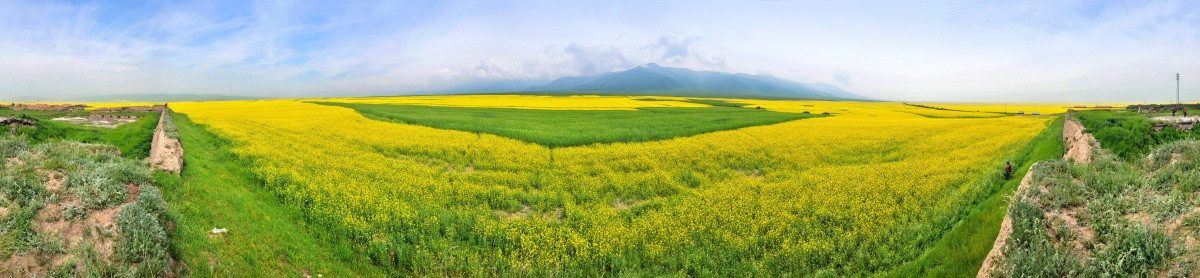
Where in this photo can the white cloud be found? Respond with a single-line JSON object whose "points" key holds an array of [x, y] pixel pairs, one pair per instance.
{"points": [[970, 51]]}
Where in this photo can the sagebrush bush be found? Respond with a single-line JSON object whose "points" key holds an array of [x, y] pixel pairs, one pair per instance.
{"points": [[150, 199], [95, 189], [1132, 250], [1030, 252], [1110, 177], [141, 242], [11, 146], [21, 188], [168, 126], [127, 172]]}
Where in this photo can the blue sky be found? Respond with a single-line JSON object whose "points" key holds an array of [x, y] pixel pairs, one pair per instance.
{"points": [[1090, 51]]}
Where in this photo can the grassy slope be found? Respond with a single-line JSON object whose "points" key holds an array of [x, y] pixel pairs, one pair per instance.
{"points": [[265, 238], [133, 139], [961, 251], [576, 127], [1127, 134]]}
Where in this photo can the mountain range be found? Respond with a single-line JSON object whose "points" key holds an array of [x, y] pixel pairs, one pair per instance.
{"points": [[653, 79]]}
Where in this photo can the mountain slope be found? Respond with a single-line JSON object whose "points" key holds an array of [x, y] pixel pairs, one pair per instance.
{"points": [[652, 79]]}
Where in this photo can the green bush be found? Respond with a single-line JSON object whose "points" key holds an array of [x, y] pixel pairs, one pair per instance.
{"points": [[127, 172], [95, 189], [1133, 251], [141, 242], [103, 185], [150, 199], [1128, 134], [1030, 252], [11, 146], [169, 126], [1120, 141], [1185, 151], [1110, 190], [21, 189]]}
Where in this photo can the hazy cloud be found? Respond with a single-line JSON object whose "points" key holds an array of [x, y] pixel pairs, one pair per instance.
{"points": [[842, 78], [594, 59]]}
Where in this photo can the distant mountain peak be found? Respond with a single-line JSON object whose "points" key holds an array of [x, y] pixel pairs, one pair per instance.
{"points": [[654, 79]]}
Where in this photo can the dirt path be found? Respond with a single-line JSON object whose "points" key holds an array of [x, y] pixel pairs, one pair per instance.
{"points": [[1005, 229]]}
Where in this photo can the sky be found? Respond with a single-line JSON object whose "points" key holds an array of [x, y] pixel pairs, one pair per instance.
{"points": [[929, 50]]}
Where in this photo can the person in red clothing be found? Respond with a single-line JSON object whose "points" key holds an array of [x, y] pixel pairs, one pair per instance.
{"points": [[1007, 170]]}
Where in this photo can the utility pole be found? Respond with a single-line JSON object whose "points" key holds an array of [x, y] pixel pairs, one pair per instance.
{"points": [[1177, 100]]}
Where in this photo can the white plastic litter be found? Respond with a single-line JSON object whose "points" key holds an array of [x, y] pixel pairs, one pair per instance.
{"points": [[220, 230]]}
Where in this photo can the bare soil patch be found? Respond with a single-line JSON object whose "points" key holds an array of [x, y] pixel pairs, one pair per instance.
{"points": [[72, 231], [1078, 142]]}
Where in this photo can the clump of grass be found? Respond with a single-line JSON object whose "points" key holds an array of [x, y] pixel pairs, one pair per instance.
{"points": [[1176, 165], [1107, 175], [1129, 135], [1061, 188], [141, 241], [151, 199], [168, 126], [96, 190], [21, 189], [99, 179], [72, 211], [1192, 222], [1131, 251], [105, 185], [1125, 203], [1030, 251], [11, 146]]}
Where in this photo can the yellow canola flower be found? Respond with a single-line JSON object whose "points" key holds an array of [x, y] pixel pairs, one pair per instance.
{"points": [[1027, 108], [581, 102], [808, 187]]}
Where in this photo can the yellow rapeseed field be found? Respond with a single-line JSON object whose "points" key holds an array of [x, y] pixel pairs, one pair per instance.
{"points": [[853, 192], [94, 105], [586, 102], [1028, 108]]}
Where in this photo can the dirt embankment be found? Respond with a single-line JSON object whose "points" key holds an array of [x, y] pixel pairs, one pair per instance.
{"points": [[1078, 143], [1005, 229], [165, 151]]}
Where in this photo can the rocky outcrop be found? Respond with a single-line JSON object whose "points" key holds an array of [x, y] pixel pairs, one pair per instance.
{"points": [[165, 151], [1078, 143]]}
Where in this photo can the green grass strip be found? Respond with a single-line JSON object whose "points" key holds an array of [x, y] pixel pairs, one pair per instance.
{"points": [[133, 139], [961, 251], [264, 239], [561, 128]]}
